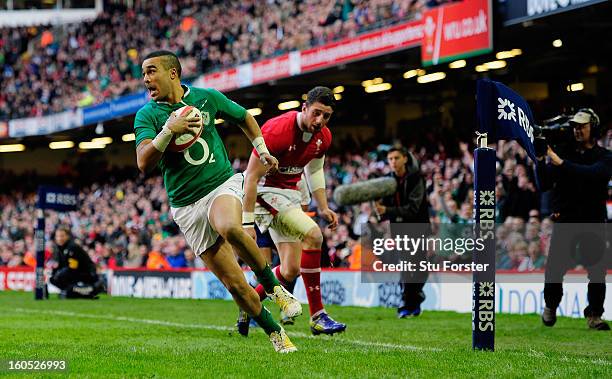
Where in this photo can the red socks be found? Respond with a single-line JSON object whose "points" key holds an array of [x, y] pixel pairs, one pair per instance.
{"points": [[280, 276], [311, 274], [260, 290]]}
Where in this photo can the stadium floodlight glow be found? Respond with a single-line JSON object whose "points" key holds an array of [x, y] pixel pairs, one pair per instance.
{"points": [[481, 68], [593, 69], [128, 137], [12, 148], [337, 96], [91, 145], [458, 64], [431, 77], [574, 87], [370, 82], [504, 54], [557, 43], [410, 74], [495, 65], [288, 105], [254, 111], [102, 140], [378, 87], [304, 97], [219, 121], [516, 52], [61, 145], [338, 89]]}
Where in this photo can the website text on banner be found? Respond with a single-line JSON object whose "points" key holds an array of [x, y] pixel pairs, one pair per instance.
{"points": [[457, 31]]}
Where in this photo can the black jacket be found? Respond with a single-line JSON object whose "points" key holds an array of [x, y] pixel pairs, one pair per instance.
{"points": [[74, 257], [580, 185], [409, 203]]}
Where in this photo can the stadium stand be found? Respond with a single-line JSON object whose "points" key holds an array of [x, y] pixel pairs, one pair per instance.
{"points": [[206, 35]]}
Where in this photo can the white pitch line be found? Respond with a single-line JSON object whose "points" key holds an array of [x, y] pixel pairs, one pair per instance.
{"points": [[531, 353], [224, 328]]}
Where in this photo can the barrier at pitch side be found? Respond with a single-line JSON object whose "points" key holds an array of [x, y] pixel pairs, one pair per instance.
{"points": [[516, 293], [345, 288]]}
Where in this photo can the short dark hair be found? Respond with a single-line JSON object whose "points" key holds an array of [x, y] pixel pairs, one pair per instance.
{"points": [[400, 149], [65, 229], [322, 95], [170, 60]]}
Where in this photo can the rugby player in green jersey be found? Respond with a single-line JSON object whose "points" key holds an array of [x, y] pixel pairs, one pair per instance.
{"points": [[204, 193]]}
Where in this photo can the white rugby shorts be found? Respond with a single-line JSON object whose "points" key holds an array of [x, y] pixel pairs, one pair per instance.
{"points": [[279, 211], [193, 219]]}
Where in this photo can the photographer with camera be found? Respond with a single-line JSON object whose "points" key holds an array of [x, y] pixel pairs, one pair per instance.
{"points": [[578, 176]]}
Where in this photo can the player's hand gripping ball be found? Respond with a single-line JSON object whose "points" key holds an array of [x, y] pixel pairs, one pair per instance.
{"points": [[183, 141]]}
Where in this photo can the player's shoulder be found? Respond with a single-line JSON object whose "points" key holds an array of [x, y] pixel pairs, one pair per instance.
{"points": [[203, 93], [207, 92], [202, 90], [326, 135], [146, 111], [281, 123]]}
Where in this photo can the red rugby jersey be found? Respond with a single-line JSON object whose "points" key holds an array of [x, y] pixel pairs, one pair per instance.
{"points": [[286, 142]]}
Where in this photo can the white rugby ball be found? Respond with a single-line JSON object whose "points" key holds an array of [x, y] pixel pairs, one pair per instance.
{"points": [[181, 142]]}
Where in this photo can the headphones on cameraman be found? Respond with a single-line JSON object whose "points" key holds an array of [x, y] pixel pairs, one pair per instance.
{"points": [[594, 121]]}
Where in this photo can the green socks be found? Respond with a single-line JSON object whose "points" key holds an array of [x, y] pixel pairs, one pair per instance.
{"points": [[267, 279], [265, 320]]}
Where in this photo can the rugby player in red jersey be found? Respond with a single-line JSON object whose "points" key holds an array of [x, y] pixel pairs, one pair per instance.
{"points": [[299, 140]]}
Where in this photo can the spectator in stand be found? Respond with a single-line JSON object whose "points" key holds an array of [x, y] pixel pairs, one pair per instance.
{"points": [[156, 259], [175, 257], [535, 259], [516, 255], [522, 196]]}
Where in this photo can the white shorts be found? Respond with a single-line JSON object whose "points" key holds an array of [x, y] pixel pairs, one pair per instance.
{"points": [[193, 219], [287, 222]]}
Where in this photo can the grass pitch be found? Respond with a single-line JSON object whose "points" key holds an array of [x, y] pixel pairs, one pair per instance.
{"points": [[124, 337]]}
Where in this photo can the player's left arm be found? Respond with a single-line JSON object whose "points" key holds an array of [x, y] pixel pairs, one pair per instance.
{"points": [[315, 177], [237, 114]]}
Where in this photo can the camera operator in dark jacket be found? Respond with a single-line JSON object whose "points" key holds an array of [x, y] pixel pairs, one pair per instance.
{"points": [[579, 179], [75, 274], [407, 205]]}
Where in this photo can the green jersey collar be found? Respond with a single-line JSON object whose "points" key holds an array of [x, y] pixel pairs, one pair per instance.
{"points": [[185, 94]]}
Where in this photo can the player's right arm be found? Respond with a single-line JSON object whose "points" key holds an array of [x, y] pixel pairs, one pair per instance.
{"points": [[147, 156], [150, 147]]}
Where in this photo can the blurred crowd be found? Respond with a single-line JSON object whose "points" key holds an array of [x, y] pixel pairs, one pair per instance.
{"points": [[126, 222], [450, 186], [49, 69]]}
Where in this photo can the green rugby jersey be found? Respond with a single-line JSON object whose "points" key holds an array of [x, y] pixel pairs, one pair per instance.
{"points": [[197, 171]]}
